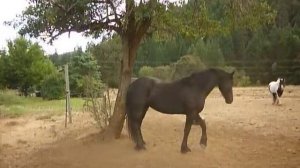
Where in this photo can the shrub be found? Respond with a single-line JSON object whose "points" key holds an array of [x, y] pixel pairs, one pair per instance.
{"points": [[186, 65], [97, 101], [239, 78], [161, 72], [146, 71], [53, 86]]}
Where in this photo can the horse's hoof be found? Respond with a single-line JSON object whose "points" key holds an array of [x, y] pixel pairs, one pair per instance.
{"points": [[203, 146], [185, 150], [139, 148], [203, 142]]}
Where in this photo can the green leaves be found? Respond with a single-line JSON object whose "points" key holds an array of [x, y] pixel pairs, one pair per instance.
{"points": [[209, 52], [25, 65], [53, 87], [108, 55], [249, 14], [82, 65], [196, 18], [203, 18]]}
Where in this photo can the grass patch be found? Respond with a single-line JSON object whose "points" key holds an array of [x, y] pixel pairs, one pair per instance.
{"points": [[12, 105]]}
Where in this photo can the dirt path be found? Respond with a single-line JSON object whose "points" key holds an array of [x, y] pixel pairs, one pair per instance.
{"points": [[248, 133]]}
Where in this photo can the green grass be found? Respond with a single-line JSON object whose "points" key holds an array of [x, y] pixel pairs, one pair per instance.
{"points": [[12, 105]]}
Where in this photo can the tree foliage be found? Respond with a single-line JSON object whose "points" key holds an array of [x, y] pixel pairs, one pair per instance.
{"points": [[209, 52], [53, 87], [108, 56], [82, 65], [24, 66]]}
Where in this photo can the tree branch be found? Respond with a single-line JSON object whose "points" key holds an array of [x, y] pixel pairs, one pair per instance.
{"points": [[92, 27], [63, 7], [143, 27], [118, 21]]}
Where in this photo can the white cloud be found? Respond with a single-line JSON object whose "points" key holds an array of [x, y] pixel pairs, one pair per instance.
{"points": [[9, 9]]}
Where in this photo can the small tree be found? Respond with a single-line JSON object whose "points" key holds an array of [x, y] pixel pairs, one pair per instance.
{"points": [[82, 65], [25, 65], [108, 55], [53, 87], [2, 69], [97, 101]]}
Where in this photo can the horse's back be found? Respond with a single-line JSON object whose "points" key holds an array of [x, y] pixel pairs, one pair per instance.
{"points": [[138, 91]]}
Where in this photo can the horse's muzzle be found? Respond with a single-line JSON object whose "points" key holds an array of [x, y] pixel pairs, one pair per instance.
{"points": [[229, 101]]}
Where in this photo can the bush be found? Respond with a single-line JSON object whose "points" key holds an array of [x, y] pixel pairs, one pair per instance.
{"points": [[239, 78], [161, 72], [97, 101], [146, 71], [186, 65], [53, 86]]}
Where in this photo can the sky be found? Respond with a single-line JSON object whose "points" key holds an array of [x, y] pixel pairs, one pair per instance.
{"points": [[8, 11]]}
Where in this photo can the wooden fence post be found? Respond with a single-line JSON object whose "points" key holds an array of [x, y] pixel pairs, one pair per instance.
{"points": [[68, 97]]}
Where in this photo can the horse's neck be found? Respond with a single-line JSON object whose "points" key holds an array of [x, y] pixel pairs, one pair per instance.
{"points": [[208, 86], [212, 86], [276, 83]]}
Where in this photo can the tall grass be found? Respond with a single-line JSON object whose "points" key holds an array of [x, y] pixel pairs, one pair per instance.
{"points": [[12, 105]]}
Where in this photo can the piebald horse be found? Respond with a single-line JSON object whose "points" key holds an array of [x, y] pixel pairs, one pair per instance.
{"points": [[276, 89]]}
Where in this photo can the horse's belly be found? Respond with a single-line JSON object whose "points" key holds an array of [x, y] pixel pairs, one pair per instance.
{"points": [[168, 108]]}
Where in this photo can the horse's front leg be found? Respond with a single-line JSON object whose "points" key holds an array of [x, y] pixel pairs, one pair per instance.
{"points": [[187, 129], [203, 141]]}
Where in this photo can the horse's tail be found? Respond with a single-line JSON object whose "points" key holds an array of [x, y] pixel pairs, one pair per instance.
{"points": [[135, 105], [132, 132]]}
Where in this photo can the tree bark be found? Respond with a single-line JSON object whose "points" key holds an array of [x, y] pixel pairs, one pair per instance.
{"points": [[131, 38], [115, 127]]}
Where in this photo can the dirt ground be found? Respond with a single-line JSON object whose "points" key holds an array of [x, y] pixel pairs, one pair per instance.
{"points": [[250, 133]]}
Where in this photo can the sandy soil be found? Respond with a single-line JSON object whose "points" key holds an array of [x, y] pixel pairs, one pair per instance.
{"points": [[251, 132]]}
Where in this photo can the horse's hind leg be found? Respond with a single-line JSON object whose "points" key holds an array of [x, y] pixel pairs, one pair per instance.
{"points": [[140, 124], [140, 143], [274, 98]]}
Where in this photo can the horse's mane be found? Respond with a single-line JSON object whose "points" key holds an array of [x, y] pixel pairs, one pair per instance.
{"points": [[202, 75]]}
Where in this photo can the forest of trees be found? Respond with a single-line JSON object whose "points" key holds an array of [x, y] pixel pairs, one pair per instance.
{"points": [[259, 55], [263, 54]]}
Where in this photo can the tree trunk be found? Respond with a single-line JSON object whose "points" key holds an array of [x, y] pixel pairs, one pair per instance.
{"points": [[131, 38], [117, 121]]}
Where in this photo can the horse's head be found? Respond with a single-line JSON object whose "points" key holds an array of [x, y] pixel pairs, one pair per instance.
{"points": [[225, 86], [281, 82]]}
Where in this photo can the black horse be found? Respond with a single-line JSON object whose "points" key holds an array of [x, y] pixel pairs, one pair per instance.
{"points": [[184, 96]]}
